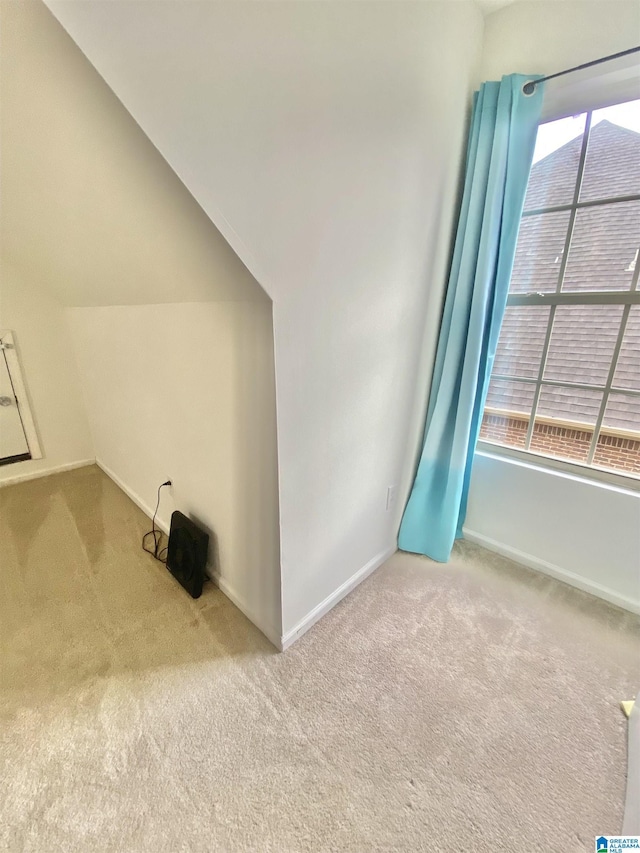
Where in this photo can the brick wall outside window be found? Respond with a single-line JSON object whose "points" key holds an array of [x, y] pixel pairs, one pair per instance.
{"points": [[614, 452]]}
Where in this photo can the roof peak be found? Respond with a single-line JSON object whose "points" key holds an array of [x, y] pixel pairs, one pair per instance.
{"points": [[604, 124], [607, 123]]}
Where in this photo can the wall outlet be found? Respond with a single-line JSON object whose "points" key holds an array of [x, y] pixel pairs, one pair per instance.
{"points": [[392, 496]]}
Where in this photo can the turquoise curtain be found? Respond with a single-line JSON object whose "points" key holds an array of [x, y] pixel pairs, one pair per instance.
{"points": [[501, 143]]}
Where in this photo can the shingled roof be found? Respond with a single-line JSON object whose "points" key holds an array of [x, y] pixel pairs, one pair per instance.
{"points": [[602, 256]]}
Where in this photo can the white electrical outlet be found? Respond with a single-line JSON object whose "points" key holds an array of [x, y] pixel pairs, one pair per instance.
{"points": [[392, 494]]}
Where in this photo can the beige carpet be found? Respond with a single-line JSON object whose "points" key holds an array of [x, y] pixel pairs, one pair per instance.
{"points": [[473, 706]]}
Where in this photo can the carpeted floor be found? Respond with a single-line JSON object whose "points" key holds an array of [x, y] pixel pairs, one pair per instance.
{"points": [[472, 706]]}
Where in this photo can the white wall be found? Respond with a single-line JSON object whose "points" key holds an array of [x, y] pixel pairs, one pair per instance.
{"points": [[50, 373], [186, 392], [545, 36], [174, 336], [325, 141], [583, 532], [89, 207]]}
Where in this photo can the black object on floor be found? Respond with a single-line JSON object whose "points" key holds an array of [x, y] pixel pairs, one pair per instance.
{"points": [[187, 553]]}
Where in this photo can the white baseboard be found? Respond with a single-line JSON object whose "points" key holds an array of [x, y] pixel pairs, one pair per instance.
{"points": [[45, 472], [131, 494], [224, 586], [554, 571], [221, 582], [280, 642], [331, 600]]}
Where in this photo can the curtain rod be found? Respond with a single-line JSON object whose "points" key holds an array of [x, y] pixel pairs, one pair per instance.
{"points": [[529, 88]]}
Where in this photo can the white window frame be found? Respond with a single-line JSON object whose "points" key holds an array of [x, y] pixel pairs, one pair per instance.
{"points": [[10, 354], [553, 300]]}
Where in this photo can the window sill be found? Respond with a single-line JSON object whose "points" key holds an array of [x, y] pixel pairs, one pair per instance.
{"points": [[557, 467]]}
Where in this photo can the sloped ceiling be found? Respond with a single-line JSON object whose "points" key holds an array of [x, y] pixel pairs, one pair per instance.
{"points": [[320, 139], [90, 209], [194, 75]]}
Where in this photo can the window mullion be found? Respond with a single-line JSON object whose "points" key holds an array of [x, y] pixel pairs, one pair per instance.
{"points": [[576, 297], [607, 388], [576, 196], [563, 266], [558, 383], [596, 202], [612, 370], [543, 363], [636, 275]]}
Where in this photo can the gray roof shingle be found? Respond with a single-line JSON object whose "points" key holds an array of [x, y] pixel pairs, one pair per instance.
{"points": [[604, 244]]}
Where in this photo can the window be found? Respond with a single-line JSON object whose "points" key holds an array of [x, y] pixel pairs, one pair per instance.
{"points": [[566, 378]]}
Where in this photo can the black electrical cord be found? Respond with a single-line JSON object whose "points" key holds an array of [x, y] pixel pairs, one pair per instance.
{"points": [[156, 551]]}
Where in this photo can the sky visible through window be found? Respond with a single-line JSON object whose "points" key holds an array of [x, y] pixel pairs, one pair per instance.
{"points": [[555, 134]]}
